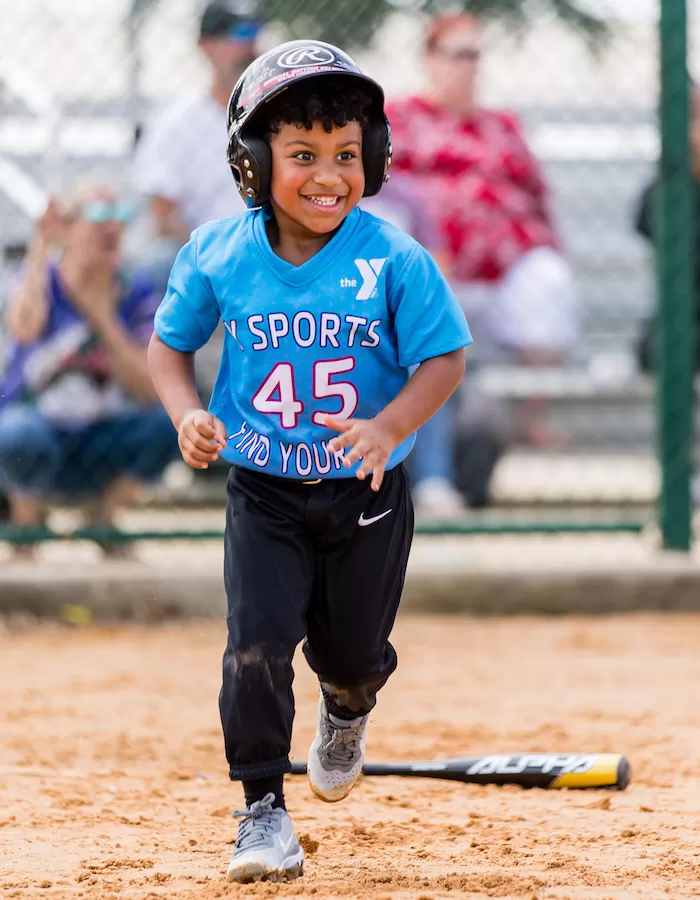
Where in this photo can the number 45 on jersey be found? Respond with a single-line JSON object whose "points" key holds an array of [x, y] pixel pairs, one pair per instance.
{"points": [[276, 396]]}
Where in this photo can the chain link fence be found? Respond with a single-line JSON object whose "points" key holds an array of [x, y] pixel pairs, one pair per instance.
{"points": [[89, 97]]}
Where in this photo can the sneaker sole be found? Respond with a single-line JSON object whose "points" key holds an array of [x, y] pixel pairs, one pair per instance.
{"points": [[332, 797], [255, 872]]}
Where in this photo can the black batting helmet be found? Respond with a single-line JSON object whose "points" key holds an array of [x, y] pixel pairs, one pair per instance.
{"points": [[250, 157]]}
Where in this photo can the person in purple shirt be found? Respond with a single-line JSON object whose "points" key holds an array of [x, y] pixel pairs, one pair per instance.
{"points": [[78, 412]]}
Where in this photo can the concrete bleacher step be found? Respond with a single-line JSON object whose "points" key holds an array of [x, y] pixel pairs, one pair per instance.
{"points": [[538, 479], [605, 407], [522, 478]]}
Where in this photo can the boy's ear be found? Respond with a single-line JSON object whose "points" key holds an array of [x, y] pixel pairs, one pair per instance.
{"points": [[376, 155], [250, 159]]}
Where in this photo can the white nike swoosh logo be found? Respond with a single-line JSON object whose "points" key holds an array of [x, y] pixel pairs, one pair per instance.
{"points": [[363, 521], [288, 844]]}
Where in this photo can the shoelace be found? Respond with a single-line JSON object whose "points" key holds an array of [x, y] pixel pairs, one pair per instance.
{"points": [[340, 744], [257, 821]]}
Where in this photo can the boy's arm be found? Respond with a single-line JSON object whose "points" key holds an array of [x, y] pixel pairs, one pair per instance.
{"points": [[184, 322], [429, 388], [173, 377], [201, 436], [432, 333], [186, 319], [373, 440]]}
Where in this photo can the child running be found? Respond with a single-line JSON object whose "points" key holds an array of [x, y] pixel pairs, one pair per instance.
{"points": [[342, 338]]}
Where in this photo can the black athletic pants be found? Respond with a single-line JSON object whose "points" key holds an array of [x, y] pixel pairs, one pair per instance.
{"points": [[323, 561]]}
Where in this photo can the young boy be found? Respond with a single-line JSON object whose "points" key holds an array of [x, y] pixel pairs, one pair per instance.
{"points": [[326, 310]]}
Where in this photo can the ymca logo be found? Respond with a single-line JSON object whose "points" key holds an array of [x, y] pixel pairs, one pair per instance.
{"points": [[370, 270], [305, 56]]}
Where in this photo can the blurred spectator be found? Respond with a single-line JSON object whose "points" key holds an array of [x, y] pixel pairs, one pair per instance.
{"points": [[645, 225], [432, 461], [399, 203], [487, 191], [180, 162], [78, 412], [438, 484]]}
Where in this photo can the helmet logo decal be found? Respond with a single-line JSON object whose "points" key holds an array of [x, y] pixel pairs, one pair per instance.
{"points": [[304, 56], [268, 76]]}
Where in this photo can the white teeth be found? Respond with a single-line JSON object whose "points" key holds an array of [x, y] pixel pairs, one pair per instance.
{"points": [[325, 201]]}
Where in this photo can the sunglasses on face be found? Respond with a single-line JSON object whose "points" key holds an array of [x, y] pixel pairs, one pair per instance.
{"points": [[465, 54], [99, 211]]}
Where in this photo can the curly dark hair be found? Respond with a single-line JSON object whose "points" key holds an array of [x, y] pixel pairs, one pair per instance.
{"points": [[331, 102]]}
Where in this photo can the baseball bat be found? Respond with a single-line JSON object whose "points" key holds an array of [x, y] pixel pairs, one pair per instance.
{"points": [[529, 770]]}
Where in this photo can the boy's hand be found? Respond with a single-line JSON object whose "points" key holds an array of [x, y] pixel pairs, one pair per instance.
{"points": [[201, 437], [370, 441]]}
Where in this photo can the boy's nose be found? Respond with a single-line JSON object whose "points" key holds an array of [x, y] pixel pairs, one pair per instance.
{"points": [[327, 178]]}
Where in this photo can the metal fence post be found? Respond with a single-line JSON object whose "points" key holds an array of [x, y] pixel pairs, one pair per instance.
{"points": [[676, 339]]}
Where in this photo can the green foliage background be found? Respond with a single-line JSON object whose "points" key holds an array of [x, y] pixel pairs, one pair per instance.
{"points": [[353, 23]]}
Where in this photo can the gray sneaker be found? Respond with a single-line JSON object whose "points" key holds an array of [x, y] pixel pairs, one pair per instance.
{"points": [[336, 755], [267, 848]]}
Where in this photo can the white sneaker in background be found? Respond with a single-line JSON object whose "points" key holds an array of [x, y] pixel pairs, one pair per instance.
{"points": [[437, 498]]}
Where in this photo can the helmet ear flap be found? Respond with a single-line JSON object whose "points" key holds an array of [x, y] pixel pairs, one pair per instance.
{"points": [[250, 159], [376, 155]]}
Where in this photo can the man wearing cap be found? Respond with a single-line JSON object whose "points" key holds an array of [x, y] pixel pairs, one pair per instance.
{"points": [[180, 164]]}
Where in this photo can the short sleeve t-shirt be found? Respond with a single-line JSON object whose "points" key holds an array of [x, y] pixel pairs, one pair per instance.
{"points": [[66, 373], [336, 336], [182, 156]]}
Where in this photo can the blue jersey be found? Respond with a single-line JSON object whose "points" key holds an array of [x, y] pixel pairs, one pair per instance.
{"points": [[337, 336]]}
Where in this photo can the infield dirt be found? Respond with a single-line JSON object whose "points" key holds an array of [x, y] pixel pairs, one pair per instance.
{"points": [[113, 781]]}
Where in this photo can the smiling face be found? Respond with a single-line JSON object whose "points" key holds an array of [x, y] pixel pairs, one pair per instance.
{"points": [[317, 176]]}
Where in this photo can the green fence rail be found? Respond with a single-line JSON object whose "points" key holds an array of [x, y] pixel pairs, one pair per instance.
{"points": [[464, 527]]}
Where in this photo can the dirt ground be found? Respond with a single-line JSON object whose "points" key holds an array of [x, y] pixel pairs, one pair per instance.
{"points": [[113, 782]]}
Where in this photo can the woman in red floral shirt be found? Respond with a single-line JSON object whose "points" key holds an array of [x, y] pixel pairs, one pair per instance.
{"points": [[474, 170]]}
